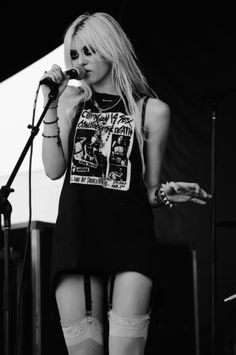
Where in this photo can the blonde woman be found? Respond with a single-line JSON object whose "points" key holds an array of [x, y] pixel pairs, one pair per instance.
{"points": [[104, 241]]}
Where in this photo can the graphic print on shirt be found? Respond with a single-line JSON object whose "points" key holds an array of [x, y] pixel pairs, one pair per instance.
{"points": [[101, 150]]}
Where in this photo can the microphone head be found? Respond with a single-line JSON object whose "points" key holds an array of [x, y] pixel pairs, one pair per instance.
{"points": [[78, 73]]}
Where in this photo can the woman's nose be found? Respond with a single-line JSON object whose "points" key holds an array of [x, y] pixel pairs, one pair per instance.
{"points": [[82, 60]]}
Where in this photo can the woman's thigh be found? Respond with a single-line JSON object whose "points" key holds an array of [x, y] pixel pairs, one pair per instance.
{"points": [[131, 293], [70, 297]]}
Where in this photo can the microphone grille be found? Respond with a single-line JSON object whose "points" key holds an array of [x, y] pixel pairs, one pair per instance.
{"points": [[79, 73]]}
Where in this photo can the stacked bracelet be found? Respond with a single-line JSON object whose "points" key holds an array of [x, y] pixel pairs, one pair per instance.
{"points": [[161, 196], [55, 121], [54, 136], [49, 108]]}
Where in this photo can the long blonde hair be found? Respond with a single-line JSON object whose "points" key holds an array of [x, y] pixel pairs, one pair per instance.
{"points": [[101, 32]]}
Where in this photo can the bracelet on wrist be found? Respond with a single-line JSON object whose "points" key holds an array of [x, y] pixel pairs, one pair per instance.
{"points": [[159, 202], [54, 136], [55, 121], [51, 107], [161, 196]]}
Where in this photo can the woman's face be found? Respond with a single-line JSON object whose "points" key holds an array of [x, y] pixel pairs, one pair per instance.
{"points": [[98, 71]]}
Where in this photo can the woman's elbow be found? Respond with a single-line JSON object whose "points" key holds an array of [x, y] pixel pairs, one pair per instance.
{"points": [[54, 174]]}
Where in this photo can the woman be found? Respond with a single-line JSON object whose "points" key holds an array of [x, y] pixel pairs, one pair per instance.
{"points": [[104, 234]]}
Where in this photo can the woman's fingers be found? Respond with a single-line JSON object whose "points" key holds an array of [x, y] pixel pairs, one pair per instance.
{"points": [[198, 201], [202, 194], [174, 186], [55, 73], [192, 189], [200, 197]]}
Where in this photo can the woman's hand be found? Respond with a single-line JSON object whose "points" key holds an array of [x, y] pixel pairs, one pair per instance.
{"points": [[57, 76], [178, 192]]}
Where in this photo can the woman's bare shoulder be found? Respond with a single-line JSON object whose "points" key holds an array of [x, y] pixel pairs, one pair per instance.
{"points": [[156, 106], [157, 113]]}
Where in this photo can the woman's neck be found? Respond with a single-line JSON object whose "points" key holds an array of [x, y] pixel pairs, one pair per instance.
{"points": [[105, 89]]}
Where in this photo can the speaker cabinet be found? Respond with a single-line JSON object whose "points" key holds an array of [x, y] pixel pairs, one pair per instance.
{"points": [[39, 332], [174, 326]]}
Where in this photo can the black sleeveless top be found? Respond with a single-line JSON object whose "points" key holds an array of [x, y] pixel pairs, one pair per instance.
{"points": [[104, 223]]}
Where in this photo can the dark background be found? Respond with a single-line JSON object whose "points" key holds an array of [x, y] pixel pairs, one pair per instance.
{"points": [[188, 56]]}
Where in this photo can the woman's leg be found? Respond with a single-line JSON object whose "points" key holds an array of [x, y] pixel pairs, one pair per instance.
{"points": [[83, 333], [129, 318]]}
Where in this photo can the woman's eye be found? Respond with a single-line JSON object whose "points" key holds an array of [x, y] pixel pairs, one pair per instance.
{"points": [[74, 55], [87, 51]]}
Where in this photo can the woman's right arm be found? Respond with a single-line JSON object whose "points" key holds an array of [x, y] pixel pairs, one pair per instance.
{"points": [[55, 143], [56, 129]]}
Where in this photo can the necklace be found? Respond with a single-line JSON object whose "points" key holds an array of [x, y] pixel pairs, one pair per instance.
{"points": [[114, 102]]}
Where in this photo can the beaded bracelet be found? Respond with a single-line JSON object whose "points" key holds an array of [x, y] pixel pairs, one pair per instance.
{"points": [[55, 121], [161, 196]]}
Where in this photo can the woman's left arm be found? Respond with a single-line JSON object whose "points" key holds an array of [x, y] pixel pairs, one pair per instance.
{"points": [[157, 122]]}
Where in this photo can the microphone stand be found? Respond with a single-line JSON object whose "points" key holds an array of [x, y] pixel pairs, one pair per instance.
{"points": [[213, 229], [6, 210]]}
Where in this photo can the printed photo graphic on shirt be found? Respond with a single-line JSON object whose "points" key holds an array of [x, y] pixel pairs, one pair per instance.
{"points": [[101, 150], [119, 147], [86, 149], [117, 173]]}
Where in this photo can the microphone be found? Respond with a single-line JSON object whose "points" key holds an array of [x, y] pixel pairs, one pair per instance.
{"points": [[77, 73]]}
